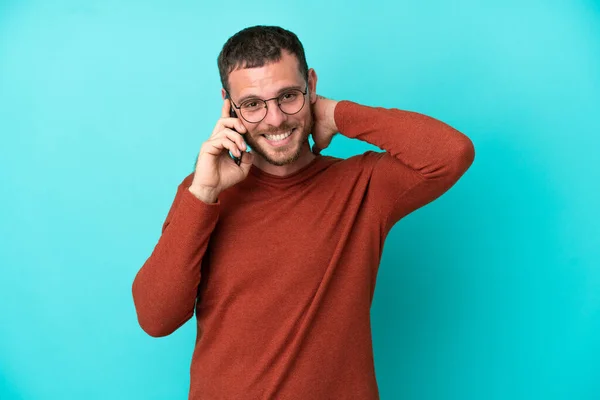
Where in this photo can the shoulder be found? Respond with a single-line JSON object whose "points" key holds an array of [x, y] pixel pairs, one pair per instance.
{"points": [[358, 162]]}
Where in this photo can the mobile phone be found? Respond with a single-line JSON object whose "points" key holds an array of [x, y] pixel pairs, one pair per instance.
{"points": [[238, 160]]}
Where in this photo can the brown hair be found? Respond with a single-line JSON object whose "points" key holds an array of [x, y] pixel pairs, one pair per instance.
{"points": [[256, 46]]}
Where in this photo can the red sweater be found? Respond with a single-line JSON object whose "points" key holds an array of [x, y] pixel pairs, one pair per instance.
{"points": [[281, 270]]}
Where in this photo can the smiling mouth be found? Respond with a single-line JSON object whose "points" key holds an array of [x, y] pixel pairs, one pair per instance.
{"points": [[279, 137]]}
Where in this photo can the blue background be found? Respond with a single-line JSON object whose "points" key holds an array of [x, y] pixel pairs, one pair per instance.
{"points": [[491, 292]]}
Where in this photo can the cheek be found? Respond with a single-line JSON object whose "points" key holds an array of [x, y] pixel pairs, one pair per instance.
{"points": [[250, 137], [302, 120], [252, 131], [307, 121]]}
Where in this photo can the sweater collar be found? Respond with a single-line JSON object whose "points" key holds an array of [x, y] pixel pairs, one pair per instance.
{"points": [[302, 174]]}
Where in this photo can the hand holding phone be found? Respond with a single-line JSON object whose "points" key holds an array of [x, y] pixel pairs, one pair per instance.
{"points": [[215, 169]]}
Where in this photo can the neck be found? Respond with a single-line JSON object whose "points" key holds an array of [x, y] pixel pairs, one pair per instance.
{"points": [[306, 156]]}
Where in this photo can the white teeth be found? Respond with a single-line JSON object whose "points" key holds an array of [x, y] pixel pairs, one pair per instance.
{"points": [[276, 138]]}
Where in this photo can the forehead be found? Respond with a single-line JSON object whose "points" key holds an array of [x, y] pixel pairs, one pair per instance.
{"points": [[266, 80]]}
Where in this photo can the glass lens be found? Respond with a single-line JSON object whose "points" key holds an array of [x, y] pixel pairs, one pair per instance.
{"points": [[291, 101], [253, 110]]}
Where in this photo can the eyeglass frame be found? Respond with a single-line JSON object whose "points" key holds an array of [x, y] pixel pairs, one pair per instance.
{"points": [[266, 101]]}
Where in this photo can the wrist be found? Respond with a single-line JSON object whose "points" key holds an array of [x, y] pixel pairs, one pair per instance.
{"points": [[206, 195]]}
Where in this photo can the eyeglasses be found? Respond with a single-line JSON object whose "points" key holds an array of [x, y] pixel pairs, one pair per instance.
{"points": [[255, 110]]}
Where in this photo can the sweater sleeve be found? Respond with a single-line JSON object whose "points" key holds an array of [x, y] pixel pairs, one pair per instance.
{"points": [[423, 156], [166, 287]]}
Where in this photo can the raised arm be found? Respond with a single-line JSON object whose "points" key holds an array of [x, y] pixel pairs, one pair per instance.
{"points": [[423, 156]]}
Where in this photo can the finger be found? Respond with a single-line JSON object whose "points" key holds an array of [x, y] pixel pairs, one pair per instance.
{"points": [[232, 147], [233, 123], [247, 161], [228, 123], [236, 138], [316, 149], [216, 146], [225, 109], [232, 135]]}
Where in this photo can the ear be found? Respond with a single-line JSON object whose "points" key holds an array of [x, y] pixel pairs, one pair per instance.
{"points": [[312, 85], [224, 94]]}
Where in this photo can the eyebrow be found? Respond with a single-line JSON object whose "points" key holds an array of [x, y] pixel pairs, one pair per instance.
{"points": [[283, 89]]}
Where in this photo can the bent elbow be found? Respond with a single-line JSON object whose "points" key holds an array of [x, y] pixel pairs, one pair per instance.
{"points": [[156, 326], [151, 322], [156, 318], [156, 330], [463, 158]]}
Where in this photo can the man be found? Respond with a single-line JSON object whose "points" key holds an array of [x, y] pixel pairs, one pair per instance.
{"points": [[278, 256]]}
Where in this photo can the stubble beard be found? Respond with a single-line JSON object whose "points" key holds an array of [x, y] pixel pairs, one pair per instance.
{"points": [[297, 152]]}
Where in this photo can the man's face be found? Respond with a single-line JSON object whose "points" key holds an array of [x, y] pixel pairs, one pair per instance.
{"points": [[269, 137]]}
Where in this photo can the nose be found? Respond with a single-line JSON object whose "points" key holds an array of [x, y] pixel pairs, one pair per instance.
{"points": [[275, 116]]}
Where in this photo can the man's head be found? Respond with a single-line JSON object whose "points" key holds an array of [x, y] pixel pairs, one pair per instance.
{"points": [[266, 62]]}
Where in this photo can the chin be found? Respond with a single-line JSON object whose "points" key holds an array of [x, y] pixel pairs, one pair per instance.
{"points": [[284, 161], [280, 159], [286, 156]]}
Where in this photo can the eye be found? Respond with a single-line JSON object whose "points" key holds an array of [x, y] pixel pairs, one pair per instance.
{"points": [[251, 104], [289, 96]]}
